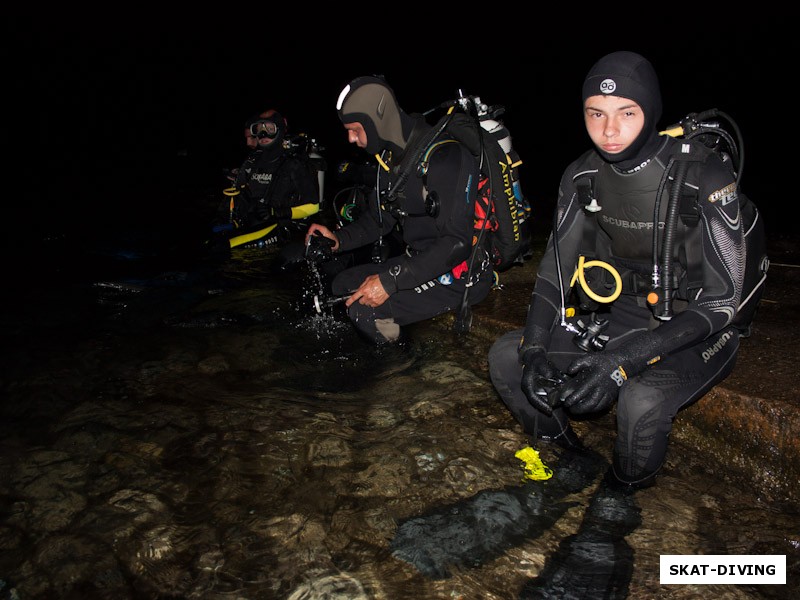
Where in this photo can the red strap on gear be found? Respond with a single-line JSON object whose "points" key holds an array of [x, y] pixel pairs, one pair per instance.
{"points": [[459, 270]]}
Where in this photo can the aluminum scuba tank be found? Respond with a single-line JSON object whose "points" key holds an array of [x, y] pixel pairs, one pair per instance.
{"points": [[503, 137], [316, 159], [493, 126]]}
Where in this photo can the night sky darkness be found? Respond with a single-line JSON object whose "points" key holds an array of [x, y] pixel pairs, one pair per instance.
{"points": [[127, 121]]}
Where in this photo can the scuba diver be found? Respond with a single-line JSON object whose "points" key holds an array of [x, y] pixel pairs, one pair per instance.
{"points": [[661, 333], [275, 185], [431, 276]]}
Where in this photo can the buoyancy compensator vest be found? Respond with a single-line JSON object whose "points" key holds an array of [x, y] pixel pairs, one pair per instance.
{"points": [[502, 212], [674, 268]]}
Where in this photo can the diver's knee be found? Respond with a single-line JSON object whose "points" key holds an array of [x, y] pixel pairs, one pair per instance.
{"points": [[388, 331], [505, 348], [643, 427], [637, 401]]}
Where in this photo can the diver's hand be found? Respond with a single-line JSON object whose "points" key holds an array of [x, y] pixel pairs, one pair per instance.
{"points": [[318, 249], [317, 229], [536, 367], [595, 382], [370, 293]]}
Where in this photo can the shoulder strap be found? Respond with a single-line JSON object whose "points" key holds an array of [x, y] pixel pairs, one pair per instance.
{"points": [[424, 163], [415, 154], [584, 185]]}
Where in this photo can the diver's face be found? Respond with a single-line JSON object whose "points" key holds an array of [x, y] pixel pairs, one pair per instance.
{"points": [[263, 142], [265, 132], [356, 134], [613, 123]]}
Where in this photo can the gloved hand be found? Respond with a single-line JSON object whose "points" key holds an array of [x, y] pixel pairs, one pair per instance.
{"points": [[595, 382], [536, 366], [599, 376]]}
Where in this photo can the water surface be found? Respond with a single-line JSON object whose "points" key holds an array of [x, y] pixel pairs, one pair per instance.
{"points": [[192, 429]]}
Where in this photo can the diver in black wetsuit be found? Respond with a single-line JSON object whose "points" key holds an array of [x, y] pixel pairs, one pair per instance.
{"points": [[652, 365], [274, 180], [430, 278], [271, 180]]}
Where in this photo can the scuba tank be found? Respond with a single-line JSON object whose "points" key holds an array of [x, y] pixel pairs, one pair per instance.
{"points": [[317, 162], [493, 126], [309, 151], [498, 131]]}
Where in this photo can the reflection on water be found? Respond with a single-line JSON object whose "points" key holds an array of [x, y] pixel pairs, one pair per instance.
{"points": [[204, 434]]}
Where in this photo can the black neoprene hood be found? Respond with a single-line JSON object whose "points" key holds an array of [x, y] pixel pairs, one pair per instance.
{"points": [[628, 75]]}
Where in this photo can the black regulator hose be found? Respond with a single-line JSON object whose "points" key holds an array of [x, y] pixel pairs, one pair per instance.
{"points": [[735, 146], [656, 282], [673, 210]]}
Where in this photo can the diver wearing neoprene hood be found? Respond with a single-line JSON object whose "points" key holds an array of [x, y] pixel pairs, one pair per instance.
{"points": [[430, 277], [271, 181], [654, 357]]}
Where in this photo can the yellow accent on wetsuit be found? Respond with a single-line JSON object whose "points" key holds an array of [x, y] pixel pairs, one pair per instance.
{"points": [[304, 210], [252, 236], [298, 212]]}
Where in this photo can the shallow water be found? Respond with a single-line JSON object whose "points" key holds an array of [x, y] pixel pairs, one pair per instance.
{"points": [[202, 433]]}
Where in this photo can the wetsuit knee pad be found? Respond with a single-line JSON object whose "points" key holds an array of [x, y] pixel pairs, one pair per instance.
{"points": [[643, 428], [377, 330], [388, 329], [505, 349]]}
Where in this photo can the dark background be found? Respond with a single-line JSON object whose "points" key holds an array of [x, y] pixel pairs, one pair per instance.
{"points": [[131, 120]]}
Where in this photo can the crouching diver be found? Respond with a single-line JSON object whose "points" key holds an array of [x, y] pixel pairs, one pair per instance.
{"points": [[434, 214], [273, 186], [667, 337]]}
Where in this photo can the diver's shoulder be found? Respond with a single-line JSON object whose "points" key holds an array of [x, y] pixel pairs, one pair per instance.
{"points": [[588, 161]]}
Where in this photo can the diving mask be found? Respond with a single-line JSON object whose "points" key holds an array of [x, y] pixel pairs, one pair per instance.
{"points": [[264, 128]]}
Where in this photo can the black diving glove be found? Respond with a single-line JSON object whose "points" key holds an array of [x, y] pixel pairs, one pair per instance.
{"points": [[536, 367], [595, 382], [598, 376], [538, 373]]}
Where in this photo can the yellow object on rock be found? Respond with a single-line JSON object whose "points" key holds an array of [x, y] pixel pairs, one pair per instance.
{"points": [[534, 467]]}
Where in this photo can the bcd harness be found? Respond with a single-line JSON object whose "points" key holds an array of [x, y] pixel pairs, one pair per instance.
{"points": [[680, 224], [265, 231], [682, 235], [508, 239]]}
